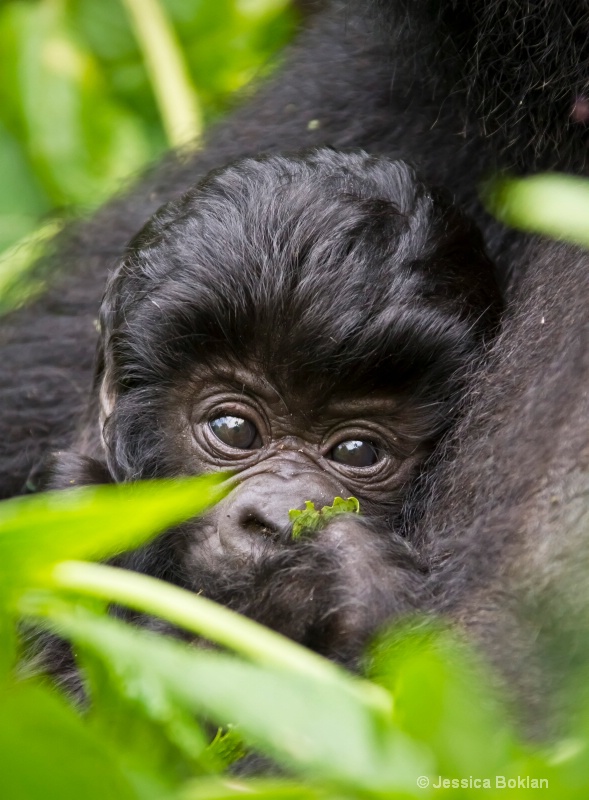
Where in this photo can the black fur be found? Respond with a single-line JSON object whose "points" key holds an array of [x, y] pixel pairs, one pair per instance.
{"points": [[461, 89]]}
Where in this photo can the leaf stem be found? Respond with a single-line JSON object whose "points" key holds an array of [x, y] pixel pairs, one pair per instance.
{"points": [[212, 621], [551, 204], [175, 95]]}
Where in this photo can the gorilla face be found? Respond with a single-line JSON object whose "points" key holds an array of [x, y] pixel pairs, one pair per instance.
{"points": [[305, 323]]}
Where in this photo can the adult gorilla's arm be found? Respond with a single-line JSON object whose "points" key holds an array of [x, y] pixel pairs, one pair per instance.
{"points": [[507, 525]]}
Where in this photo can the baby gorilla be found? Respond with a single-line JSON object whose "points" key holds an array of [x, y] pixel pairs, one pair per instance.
{"points": [[304, 322]]}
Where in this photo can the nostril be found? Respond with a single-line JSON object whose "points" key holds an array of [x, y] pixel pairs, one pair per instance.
{"points": [[257, 526]]}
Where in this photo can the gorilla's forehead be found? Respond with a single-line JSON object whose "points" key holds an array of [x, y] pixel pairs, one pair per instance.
{"points": [[284, 396]]}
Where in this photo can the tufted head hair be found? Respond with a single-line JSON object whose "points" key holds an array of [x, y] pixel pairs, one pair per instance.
{"points": [[321, 270]]}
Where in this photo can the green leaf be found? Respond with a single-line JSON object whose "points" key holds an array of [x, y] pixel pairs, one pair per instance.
{"points": [[443, 699], [22, 200], [310, 520], [93, 523], [227, 747], [47, 752], [313, 728], [157, 739], [56, 102]]}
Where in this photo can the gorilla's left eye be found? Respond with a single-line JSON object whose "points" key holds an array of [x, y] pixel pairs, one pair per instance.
{"points": [[236, 432], [355, 453]]}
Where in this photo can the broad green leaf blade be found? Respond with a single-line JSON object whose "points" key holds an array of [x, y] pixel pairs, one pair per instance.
{"points": [[443, 698], [313, 728], [93, 523], [47, 752], [156, 738], [79, 142], [22, 200]]}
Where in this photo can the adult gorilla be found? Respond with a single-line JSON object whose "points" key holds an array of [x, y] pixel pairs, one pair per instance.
{"points": [[461, 89]]}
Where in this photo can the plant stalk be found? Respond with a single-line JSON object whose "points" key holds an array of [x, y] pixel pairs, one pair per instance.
{"points": [[212, 621]]}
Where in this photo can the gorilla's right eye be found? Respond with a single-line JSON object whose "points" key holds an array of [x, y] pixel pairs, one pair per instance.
{"points": [[355, 453], [236, 432]]}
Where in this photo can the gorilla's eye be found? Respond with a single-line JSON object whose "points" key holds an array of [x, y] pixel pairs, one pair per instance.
{"points": [[236, 432], [355, 453]]}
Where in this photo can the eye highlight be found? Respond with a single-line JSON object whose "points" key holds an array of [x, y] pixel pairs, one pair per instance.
{"points": [[355, 453], [236, 432]]}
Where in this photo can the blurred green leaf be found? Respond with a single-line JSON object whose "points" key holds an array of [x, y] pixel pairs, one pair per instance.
{"points": [[93, 523], [47, 752], [312, 727], [79, 142], [156, 738], [78, 114], [22, 199], [443, 699]]}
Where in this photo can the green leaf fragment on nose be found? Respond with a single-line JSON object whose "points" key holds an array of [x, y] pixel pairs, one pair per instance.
{"points": [[309, 520]]}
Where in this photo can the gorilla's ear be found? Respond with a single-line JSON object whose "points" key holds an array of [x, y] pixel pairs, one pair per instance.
{"points": [[70, 469], [106, 399], [104, 366]]}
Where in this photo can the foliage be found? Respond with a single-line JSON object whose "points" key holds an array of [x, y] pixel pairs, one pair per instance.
{"points": [[85, 83], [425, 713]]}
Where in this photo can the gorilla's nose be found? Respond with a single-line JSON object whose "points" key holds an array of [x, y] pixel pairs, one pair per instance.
{"points": [[256, 513]]}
